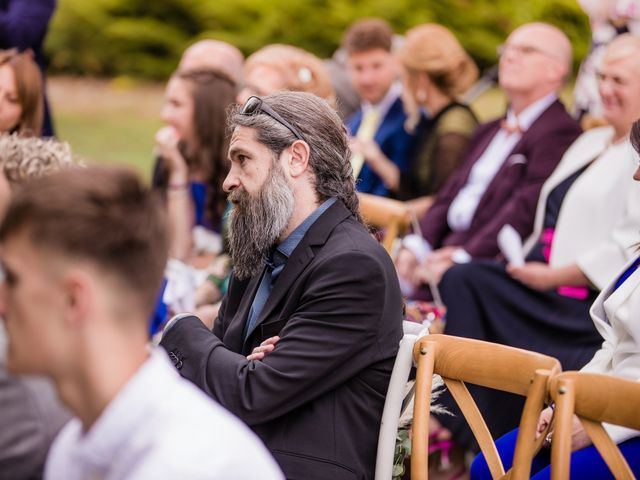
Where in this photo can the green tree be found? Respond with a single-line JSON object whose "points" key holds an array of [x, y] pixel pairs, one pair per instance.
{"points": [[141, 38]]}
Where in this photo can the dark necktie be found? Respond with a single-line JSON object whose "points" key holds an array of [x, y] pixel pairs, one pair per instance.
{"points": [[275, 265]]}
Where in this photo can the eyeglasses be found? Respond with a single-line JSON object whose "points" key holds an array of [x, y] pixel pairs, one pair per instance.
{"points": [[255, 105], [521, 49]]}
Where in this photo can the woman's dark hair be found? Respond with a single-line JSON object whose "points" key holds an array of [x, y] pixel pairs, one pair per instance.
{"points": [[212, 92]]}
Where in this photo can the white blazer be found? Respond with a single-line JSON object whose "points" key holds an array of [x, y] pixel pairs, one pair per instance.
{"points": [[616, 315], [599, 220]]}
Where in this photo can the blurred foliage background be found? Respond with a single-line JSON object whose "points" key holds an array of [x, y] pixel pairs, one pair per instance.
{"points": [[109, 58], [144, 39]]}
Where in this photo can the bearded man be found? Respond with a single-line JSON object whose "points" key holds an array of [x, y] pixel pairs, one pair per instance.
{"points": [[306, 337]]}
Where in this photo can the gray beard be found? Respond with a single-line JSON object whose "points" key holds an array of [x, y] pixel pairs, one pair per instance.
{"points": [[256, 222]]}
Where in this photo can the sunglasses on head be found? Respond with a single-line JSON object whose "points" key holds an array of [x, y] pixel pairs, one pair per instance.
{"points": [[255, 105]]}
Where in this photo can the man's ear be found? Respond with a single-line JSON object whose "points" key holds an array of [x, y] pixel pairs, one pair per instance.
{"points": [[78, 291], [298, 160], [556, 71]]}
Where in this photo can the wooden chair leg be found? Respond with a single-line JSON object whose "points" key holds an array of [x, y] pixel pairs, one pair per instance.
{"points": [[527, 445], [477, 424], [421, 408], [561, 443]]}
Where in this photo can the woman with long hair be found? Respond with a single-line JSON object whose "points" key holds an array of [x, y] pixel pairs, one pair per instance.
{"points": [[192, 150], [436, 72]]}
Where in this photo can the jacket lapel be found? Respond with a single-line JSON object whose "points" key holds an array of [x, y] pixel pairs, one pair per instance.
{"points": [[480, 147], [572, 161], [300, 258], [497, 183], [234, 335], [613, 299]]}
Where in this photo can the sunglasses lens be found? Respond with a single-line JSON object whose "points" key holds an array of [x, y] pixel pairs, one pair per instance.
{"points": [[255, 105], [251, 106]]}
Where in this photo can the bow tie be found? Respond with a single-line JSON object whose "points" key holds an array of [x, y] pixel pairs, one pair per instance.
{"points": [[510, 128]]}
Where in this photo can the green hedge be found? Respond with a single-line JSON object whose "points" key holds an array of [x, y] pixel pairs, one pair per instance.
{"points": [[145, 38]]}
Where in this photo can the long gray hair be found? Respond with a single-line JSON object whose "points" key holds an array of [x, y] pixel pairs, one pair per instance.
{"points": [[323, 131]]}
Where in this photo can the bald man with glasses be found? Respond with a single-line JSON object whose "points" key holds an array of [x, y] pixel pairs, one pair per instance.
{"points": [[508, 159]]}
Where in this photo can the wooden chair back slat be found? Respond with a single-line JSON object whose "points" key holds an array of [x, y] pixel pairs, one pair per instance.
{"points": [[494, 366], [462, 360], [608, 449], [392, 215], [595, 399], [477, 424]]}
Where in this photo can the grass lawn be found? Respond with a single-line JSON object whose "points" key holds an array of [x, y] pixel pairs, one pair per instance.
{"points": [[106, 122]]}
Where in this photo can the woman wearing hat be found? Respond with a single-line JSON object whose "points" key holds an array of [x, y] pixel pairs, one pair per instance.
{"points": [[436, 71]]}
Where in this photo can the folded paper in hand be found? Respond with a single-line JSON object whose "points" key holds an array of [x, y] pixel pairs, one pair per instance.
{"points": [[510, 245]]}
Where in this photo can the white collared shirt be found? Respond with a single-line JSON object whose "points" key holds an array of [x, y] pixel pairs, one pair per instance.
{"points": [[384, 105], [160, 426], [463, 208]]}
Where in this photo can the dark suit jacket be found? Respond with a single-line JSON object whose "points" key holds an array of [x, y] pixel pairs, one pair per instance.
{"points": [[316, 400], [394, 142], [512, 195]]}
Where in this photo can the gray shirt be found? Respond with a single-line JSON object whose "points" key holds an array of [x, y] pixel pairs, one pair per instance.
{"points": [[30, 417]]}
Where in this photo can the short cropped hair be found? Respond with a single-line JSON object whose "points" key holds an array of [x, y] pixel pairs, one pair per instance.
{"points": [[368, 34], [23, 158], [103, 215], [323, 131]]}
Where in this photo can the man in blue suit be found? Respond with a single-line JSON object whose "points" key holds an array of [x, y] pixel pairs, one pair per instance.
{"points": [[377, 128]]}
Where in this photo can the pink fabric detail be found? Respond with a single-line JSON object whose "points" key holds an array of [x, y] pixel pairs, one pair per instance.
{"points": [[577, 292], [546, 238]]}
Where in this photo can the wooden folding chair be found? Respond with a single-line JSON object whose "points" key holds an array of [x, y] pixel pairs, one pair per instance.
{"points": [[391, 215], [459, 360], [594, 399]]}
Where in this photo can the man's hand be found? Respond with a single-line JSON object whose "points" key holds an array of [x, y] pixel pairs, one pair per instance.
{"points": [[441, 255], [536, 275], [433, 272], [435, 266], [264, 348], [369, 150]]}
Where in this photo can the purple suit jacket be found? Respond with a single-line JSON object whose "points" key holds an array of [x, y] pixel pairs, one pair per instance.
{"points": [[512, 195]]}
